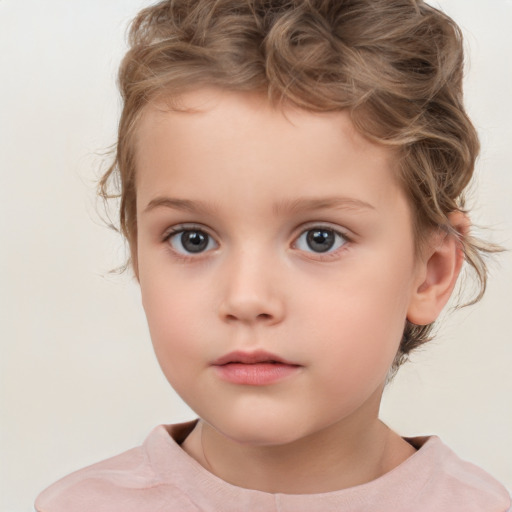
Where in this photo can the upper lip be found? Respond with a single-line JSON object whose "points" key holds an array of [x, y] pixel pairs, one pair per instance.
{"points": [[258, 356]]}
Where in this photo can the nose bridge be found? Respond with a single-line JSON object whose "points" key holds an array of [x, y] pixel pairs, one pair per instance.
{"points": [[251, 291]]}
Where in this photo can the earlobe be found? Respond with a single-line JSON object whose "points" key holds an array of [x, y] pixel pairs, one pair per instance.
{"points": [[438, 273]]}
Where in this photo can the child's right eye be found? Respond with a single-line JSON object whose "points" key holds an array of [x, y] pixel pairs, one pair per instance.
{"points": [[190, 241]]}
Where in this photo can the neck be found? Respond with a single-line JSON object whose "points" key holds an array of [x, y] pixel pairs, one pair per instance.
{"points": [[340, 456]]}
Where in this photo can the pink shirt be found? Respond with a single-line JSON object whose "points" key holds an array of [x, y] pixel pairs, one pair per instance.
{"points": [[159, 476]]}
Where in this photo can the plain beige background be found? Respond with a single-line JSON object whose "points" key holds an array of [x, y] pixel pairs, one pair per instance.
{"points": [[79, 381]]}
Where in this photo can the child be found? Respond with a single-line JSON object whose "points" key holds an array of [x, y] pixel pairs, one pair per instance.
{"points": [[292, 176]]}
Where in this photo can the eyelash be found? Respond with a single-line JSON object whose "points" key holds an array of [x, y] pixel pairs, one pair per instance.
{"points": [[319, 256], [182, 229], [329, 254]]}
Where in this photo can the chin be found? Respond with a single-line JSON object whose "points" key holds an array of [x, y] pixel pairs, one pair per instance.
{"points": [[258, 438], [262, 431]]}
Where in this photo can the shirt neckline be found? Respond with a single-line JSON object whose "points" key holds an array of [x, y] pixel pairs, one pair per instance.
{"points": [[166, 455]]}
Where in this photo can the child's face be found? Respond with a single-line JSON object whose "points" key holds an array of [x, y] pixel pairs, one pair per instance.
{"points": [[298, 242]]}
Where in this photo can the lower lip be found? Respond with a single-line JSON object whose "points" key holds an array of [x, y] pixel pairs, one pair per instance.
{"points": [[258, 374]]}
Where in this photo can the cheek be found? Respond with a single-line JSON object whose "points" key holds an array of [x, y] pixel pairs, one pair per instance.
{"points": [[170, 329], [360, 322], [174, 320]]}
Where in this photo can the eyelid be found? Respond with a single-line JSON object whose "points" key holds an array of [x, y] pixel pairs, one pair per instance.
{"points": [[342, 231], [329, 254], [180, 228]]}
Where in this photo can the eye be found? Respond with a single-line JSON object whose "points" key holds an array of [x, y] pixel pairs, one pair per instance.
{"points": [[191, 241], [320, 240]]}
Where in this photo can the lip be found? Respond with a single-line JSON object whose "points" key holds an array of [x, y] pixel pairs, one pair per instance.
{"points": [[259, 368], [258, 356]]}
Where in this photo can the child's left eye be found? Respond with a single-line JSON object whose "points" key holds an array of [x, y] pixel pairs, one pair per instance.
{"points": [[320, 240]]}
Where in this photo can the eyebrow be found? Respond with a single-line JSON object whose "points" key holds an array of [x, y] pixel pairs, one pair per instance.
{"points": [[323, 203], [179, 204], [285, 206]]}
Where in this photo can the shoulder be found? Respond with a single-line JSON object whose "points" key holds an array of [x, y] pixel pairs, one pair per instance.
{"points": [[450, 479], [127, 482]]}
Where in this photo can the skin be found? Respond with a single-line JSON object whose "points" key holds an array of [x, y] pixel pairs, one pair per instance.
{"points": [[338, 314]]}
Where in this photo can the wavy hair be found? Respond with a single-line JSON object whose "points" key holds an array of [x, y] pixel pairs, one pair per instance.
{"points": [[395, 65]]}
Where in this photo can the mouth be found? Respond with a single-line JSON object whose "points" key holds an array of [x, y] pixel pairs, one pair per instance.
{"points": [[258, 368], [258, 357]]}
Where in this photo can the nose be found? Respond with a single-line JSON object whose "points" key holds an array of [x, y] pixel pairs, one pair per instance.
{"points": [[251, 292]]}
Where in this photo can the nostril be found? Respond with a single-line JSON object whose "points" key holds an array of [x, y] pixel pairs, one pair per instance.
{"points": [[251, 309]]}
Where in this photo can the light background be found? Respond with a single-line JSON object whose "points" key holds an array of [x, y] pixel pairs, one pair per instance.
{"points": [[79, 381]]}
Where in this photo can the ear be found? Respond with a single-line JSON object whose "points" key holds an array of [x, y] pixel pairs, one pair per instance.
{"points": [[438, 272]]}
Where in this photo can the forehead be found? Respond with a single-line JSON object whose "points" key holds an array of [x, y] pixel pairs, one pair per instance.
{"points": [[251, 115], [240, 140]]}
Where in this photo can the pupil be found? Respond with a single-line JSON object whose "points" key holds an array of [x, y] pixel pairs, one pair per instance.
{"points": [[194, 241], [320, 240]]}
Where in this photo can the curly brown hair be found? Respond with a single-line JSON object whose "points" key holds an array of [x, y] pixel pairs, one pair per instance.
{"points": [[395, 65]]}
